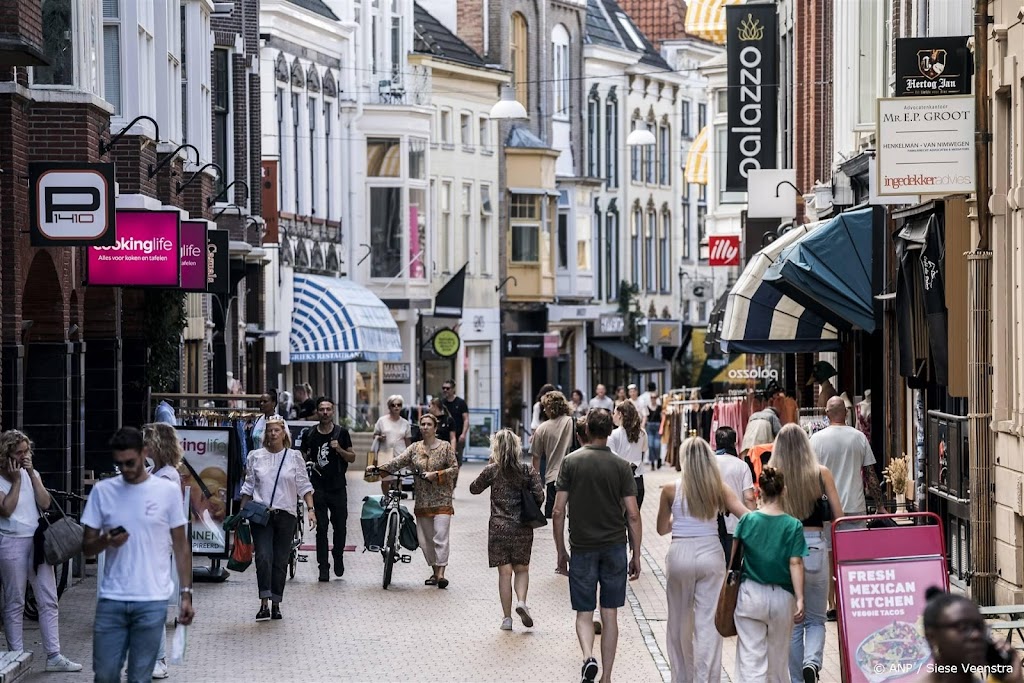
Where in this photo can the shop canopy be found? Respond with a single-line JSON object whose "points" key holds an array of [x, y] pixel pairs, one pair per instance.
{"points": [[706, 19], [335, 319], [697, 159], [829, 270], [640, 362], [761, 319]]}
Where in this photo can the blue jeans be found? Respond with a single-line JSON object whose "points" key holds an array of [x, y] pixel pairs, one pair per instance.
{"points": [[653, 443], [127, 628], [808, 643]]}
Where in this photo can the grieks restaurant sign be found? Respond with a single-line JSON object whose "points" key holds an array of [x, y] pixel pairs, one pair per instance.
{"points": [[933, 66], [753, 91]]}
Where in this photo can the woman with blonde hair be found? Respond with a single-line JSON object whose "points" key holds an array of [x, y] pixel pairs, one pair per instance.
{"points": [[695, 564], [811, 497], [509, 542], [392, 433]]}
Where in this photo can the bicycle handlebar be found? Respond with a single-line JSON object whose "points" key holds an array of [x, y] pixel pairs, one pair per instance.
{"points": [[67, 494]]}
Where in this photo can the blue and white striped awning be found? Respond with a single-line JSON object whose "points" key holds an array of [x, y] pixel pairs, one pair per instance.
{"points": [[761, 319], [335, 319]]}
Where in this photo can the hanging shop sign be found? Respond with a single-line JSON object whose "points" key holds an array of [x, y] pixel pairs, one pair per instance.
{"points": [[753, 91], [71, 204], [933, 66], [665, 332], [396, 373], [218, 262], [724, 250], [702, 290], [532, 344], [445, 343], [610, 325], [194, 267], [146, 252], [925, 145]]}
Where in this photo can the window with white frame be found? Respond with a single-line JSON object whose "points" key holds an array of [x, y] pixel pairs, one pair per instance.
{"points": [[385, 231], [328, 142], [146, 46], [467, 220], [685, 125], [560, 71], [635, 155], [584, 234], [611, 254], [650, 253], [524, 229], [869, 59], [445, 238], [519, 57], [594, 133], [483, 257], [611, 138], [702, 225], [397, 51], [649, 155], [446, 126], [168, 26], [399, 212], [702, 116], [72, 43], [221, 96], [685, 223], [466, 129], [665, 252], [484, 125], [112, 90], [312, 109], [636, 236], [664, 154], [296, 159], [562, 230], [197, 98]]}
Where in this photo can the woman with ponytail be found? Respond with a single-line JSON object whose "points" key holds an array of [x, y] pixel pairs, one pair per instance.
{"points": [[771, 597], [509, 541]]}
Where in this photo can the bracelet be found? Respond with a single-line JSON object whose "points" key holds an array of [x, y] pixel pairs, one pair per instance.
{"points": [[186, 590]]}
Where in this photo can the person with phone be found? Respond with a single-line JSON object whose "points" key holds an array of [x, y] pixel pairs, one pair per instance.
{"points": [[960, 640], [137, 520], [22, 496]]}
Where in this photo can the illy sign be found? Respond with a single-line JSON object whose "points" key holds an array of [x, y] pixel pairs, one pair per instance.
{"points": [[753, 91], [71, 204], [724, 250]]}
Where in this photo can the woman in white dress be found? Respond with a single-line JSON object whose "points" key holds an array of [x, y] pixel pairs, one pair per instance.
{"points": [[392, 434]]}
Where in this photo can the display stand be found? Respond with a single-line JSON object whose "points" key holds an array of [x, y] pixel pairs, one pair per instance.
{"points": [[881, 575]]}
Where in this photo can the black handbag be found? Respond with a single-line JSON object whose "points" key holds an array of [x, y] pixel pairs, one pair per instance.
{"points": [[824, 508], [259, 513], [530, 513]]}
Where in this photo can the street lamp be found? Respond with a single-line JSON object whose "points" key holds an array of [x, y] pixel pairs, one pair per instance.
{"points": [[641, 137], [508, 107]]}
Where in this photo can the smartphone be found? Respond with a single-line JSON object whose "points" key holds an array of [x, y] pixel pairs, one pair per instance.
{"points": [[116, 531]]}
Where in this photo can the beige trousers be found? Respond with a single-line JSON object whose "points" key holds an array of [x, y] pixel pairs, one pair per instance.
{"points": [[764, 627], [433, 535], [695, 573]]}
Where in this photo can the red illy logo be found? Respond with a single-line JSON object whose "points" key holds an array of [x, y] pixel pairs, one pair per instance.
{"points": [[724, 250]]}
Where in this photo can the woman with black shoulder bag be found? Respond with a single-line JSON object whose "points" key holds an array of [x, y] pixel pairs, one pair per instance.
{"points": [[509, 540]]}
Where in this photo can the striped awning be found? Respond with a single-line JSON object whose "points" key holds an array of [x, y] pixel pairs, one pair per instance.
{"points": [[706, 19], [697, 158], [761, 319], [335, 319]]}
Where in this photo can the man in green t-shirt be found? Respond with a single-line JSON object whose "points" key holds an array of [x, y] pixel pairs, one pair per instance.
{"points": [[600, 492]]}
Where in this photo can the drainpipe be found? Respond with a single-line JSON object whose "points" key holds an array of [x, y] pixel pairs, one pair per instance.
{"points": [[979, 347]]}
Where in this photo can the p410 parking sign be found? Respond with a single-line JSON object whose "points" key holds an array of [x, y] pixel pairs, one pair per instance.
{"points": [[71, 204]]}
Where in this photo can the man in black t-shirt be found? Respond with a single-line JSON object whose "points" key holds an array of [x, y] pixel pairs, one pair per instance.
{"points": [[459, 411], [327, 449]]}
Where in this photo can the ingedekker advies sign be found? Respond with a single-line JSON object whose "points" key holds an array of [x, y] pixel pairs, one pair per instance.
{"points": [[925, 145]]}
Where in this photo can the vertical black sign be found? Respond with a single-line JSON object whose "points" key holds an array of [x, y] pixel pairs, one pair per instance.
{"points": [[933, 66], [753, 91], [218, 279]]}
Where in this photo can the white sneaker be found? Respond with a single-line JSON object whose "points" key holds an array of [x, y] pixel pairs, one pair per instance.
{"points": [[160, 670], [524, 613], [506, 624], [62, 663]]}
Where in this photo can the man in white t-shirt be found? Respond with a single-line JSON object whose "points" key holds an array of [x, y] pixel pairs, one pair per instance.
{"points": [[846, 452], [736, 475], [136, 519], [602, 399]]}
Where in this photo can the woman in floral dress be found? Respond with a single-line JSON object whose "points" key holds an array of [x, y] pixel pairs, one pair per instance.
{"points": [[509, 542]]}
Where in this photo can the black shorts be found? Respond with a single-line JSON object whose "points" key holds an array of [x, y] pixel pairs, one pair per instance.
{"points": [[587, 569]]}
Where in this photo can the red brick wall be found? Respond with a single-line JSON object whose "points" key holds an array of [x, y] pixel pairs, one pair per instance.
{"points": [[21, 25], [813, 127], [471, 23]]}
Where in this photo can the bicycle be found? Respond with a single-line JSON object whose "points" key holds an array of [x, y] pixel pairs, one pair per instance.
{"points": [[391, 551], [300, 530], [62, 572]]}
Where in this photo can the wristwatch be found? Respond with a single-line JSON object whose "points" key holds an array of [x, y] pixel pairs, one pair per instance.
{"points": [[186, 590]]}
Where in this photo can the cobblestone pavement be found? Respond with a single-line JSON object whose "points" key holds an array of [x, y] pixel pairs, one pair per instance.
{"points": [[352, 630]]}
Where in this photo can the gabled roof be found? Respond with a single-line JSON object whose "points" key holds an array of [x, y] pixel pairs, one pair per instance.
{"points": [[432, 37], [660, 20], [608, 24], [317, 7]]}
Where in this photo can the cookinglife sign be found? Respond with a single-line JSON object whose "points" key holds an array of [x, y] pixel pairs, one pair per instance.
{"points": [[933, 66], [193, 256], [753, 91], [205, 472], [145, 252], [881, 608], [925, 145]]}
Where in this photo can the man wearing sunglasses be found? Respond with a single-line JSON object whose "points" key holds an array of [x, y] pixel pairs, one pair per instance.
{"points": [[459, 411], [136, 518]]}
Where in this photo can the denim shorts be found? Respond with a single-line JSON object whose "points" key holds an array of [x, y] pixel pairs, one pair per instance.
{"points": [[606, 567]]}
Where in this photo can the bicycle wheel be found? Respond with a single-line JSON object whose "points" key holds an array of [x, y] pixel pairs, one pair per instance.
{"points": [[390, 551], [293, 559]]}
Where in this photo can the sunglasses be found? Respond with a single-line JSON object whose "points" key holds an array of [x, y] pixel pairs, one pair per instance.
{"points": [[447, 388], [120, 464], [394, 405]]}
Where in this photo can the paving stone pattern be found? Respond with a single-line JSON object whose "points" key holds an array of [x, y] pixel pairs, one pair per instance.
{"points": [[352, 630]]}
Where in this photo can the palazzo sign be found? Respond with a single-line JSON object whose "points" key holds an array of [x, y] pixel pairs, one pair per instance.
{"points": [[925, 145], [753, 91]]}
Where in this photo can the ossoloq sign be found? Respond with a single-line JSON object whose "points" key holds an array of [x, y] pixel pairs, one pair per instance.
{"points": [[71, 204]]}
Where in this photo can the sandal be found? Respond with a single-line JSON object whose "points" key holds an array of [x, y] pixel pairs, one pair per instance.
{"points": [[442, 583], [432, 581]]}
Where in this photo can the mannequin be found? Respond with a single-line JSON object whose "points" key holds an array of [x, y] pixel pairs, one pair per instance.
{"points": [[864, 414]]}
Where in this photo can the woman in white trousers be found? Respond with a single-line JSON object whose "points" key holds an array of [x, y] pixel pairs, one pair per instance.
{"points": [[695, 563]]}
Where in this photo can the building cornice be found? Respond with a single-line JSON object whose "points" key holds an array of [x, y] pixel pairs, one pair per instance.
{"points": [[453, 68]]}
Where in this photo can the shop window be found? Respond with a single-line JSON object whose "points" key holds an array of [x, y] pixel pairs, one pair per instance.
{"points": [[385, 231], [417, 233]]}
